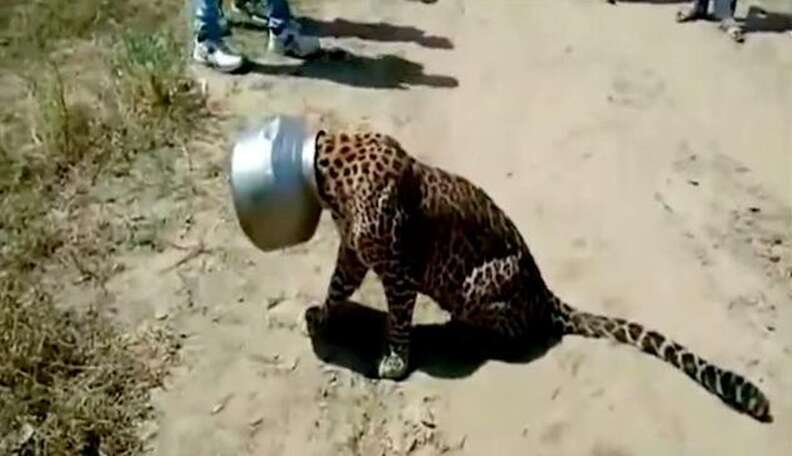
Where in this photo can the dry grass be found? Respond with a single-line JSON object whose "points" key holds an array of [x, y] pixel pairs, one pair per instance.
{"points": [[106, 90], [71, 384]]}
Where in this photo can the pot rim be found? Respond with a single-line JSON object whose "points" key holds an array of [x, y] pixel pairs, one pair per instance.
{"points": [[309, 164]]}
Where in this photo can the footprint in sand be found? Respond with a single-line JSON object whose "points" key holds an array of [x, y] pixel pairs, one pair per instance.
{"points": [[754, 230], [604, 449], [554, 433], [636, 89]]}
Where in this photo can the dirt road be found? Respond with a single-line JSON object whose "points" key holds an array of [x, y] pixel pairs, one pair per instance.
{"points": [[647, 164]]}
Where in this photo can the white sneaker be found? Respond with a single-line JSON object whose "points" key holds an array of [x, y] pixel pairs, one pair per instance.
{"points": [[218, 55], [291, 42]]}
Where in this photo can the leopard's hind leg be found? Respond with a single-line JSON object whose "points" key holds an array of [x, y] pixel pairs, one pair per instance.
{"points": [[488, 296], [507, 299]]}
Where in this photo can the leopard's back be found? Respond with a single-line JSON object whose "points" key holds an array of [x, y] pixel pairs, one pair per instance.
{"points": [[452, 227]]}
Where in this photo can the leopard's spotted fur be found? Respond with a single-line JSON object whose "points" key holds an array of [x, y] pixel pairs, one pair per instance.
{"points": [[423, 230]]}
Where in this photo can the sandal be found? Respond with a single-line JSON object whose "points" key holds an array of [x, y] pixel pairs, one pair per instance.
{"points": [[690, 13], [733, 29]]}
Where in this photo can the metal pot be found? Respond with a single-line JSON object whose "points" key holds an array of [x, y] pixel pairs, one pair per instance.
{"points": [[273, 183]]}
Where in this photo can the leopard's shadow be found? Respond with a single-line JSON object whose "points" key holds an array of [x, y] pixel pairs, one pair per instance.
{"points": [[354, 337]]}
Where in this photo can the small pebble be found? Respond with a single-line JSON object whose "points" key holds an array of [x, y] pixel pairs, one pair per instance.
{"points": [[221, 405]]}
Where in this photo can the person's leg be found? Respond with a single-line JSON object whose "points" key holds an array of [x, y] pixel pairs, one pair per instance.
{"points": [[724, 11], [256, 10], [225, 27], [275, 15], [285, 36], [206, 22], [209, 48], [279, 13]]}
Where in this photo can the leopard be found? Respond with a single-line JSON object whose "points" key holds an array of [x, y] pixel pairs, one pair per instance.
{"points": [[423, 230]]}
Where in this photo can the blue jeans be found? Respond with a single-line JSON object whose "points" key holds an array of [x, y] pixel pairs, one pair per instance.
{"points": [[207, 17], [722, 9]]}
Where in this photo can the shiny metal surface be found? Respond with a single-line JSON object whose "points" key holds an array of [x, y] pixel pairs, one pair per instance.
{"points": [[273, 183]]}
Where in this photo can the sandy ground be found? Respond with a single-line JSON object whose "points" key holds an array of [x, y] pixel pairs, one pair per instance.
{"points": [[647, 164]]}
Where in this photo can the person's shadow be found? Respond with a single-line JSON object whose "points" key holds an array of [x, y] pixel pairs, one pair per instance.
{"points": [[758, 19], [370, 31], [354, 339], [658, 2], [381, 72], [387, 71], [373, 31]]}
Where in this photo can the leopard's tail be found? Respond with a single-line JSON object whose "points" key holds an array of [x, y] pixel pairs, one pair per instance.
{"points": [[731, 388]]}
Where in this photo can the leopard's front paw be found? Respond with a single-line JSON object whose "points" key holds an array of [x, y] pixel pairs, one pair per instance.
{"points": [[392, 366], [313, 320]]}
